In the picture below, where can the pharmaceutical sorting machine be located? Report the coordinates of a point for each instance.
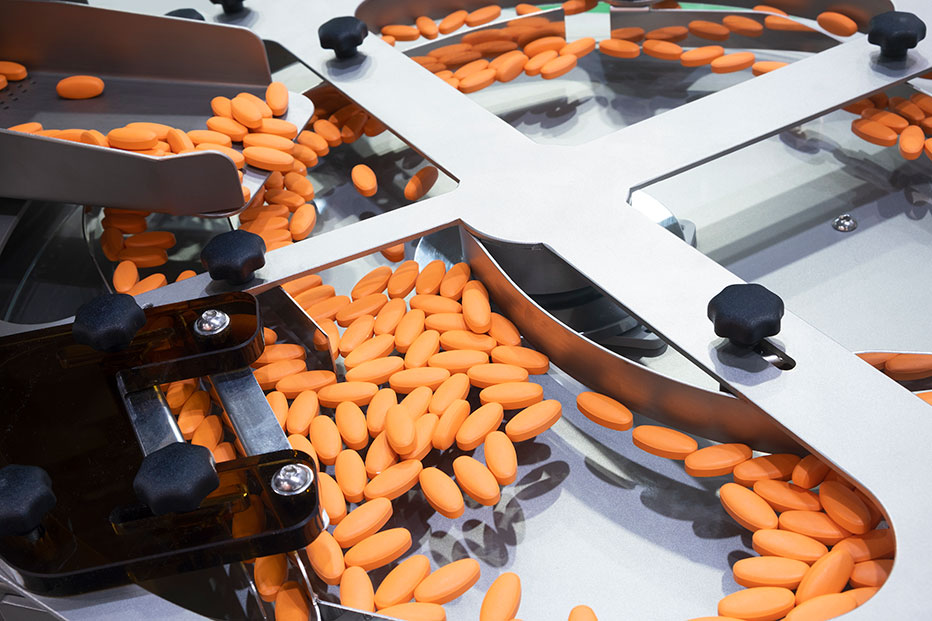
(603, 212)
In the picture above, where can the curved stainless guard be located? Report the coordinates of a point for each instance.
(713, 415)
(572, 199)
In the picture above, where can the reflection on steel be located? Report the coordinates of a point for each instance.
(250, 413)
(152, 419)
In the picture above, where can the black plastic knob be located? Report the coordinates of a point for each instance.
(896, 32)
(26, 497)
(230, 6)
(746, 314)
(176, 478)
(342, 35)
(108, 322)
(186, 13)
(234, 256)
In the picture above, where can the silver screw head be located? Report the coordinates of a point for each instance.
(292, 479)
(211, 323)
(845, 223)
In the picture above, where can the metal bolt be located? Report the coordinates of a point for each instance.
(292, 479)
(211, 323)
(845, 223)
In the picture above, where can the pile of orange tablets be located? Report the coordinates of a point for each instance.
(895, 121)
(414, 348)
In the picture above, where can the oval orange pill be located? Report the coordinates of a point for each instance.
(837, 24)
(455, 387)
(604, 410)
(561, 65)
(667, 33)
(364, 180)
(716, 460)
(912, 141)
(512, 395)
(79, 87)
(422, 349)
(741, 25)
(453, 282)
(444, 322)
(776, 466)
(535, 362)
(476, 310)
(664, 50)
(379, 549)
(246, 112)
(379, 455)
(268, 159)
(435, 304)
(874, 132)
(746, 507)
(270, 573)
(292, 385)
(350, 474)
(582, 613)
(464, 339)
(376, 347)
(394, 481)
(784, 496)
(423, 432)
(827, 575)
(453, 21)
(448, 582)
(708, 30)
(407, 380)
(356, 590)
(269, 375)
(326, 558)
(276, 96)
(759, 603)
(730, 63)
(774, 571)
(351, 423)
(460, 360)
(871, 573)
(12, 71)
(441, 493)
(325, 438)
(663, 442)
(290, 603)
(537, 62)
(766, 66)
(428, 280)
(373, 282)
(417, 401)
(398, 586)
(399, 429)
(302, 411)
(360, 393)
(619, 48)
(501, 458)
(331, 497)
(813, 524)
(476, 480)
(478, 425)
(131, 138)
(402, 281)
(376, 371)
(809, 472)
(401, 32)
(367, 305)
(533, 420)
(700, 56)
(415, 611)
(378, 409)
(453, 417)
(483, 15)
(362, 522)
(844, 507)
(773, 542)
(871, 545)
(125, 276)
(823, 607)
(503, 598)
(356, 334)
(389, 317)
(408, 329)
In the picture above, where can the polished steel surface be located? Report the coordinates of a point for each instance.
(661, 281)
(152, 419)
(250, 414)
(714, 415)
